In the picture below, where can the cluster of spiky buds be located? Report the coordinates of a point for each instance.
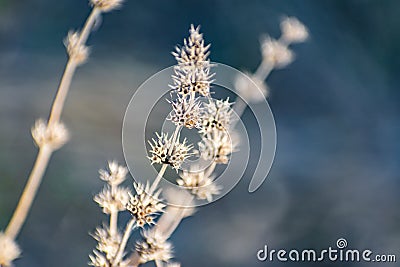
(192, 81)
(9, 250)
(112, 199)
(166, 150)
(54, 135)
(77, 51)
(217, 115)
(106, 5)
(107, 243)
(218, 148)
(154, 247)
(185, 113)
(194, 53)
(144, 207)
(199, 184)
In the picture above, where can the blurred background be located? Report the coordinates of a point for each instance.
(336, 170)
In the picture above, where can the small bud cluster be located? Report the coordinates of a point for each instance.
(154, 247)
(112, 199)
(53, 136)
(77, 51)
(144, 207)
(276, 54)
(9, 250)
(199, 184)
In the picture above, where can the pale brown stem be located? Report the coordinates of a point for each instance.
(127, 234)
(31, 187)
(158, 179)
(69, 71)
(45, 152)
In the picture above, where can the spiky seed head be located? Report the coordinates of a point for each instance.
(165, 150)
(185, 113)
(217, 115)
(107, 243)
(143, 207)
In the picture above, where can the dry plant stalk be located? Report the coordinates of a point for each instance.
(52, 134)
(212, 119)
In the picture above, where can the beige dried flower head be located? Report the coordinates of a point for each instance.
(185, 113)
(193, 53)
(115, 175)
(219, 148)
(9, 250)
(54, 136)
(154, 247)
(251, 88)
(276, 53)
(187, 81)
(165, 150)
(107, 243)
(217, 115)
(199, 184)
(106, 5)
(77, 51)
(293, 31)
(113, 199)
(144, 207)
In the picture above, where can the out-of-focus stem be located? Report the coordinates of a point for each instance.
(25, 202)
(128, 230)
(69, 71)
(45, 152)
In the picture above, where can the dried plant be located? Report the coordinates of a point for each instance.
(50, 135)
(212, 119)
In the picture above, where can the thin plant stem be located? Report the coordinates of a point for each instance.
(124, 241)
(113, 222)
(158, 179)
(159, 263)
(69, 71)
(45, 152)
(32, 185)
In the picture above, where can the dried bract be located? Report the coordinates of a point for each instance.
(199, 184)
(115, 175)
(113, 199)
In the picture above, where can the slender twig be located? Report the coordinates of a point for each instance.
(128, 230)
(28, 195)
(45, 152)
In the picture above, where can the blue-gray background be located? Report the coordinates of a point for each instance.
(336, 171)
